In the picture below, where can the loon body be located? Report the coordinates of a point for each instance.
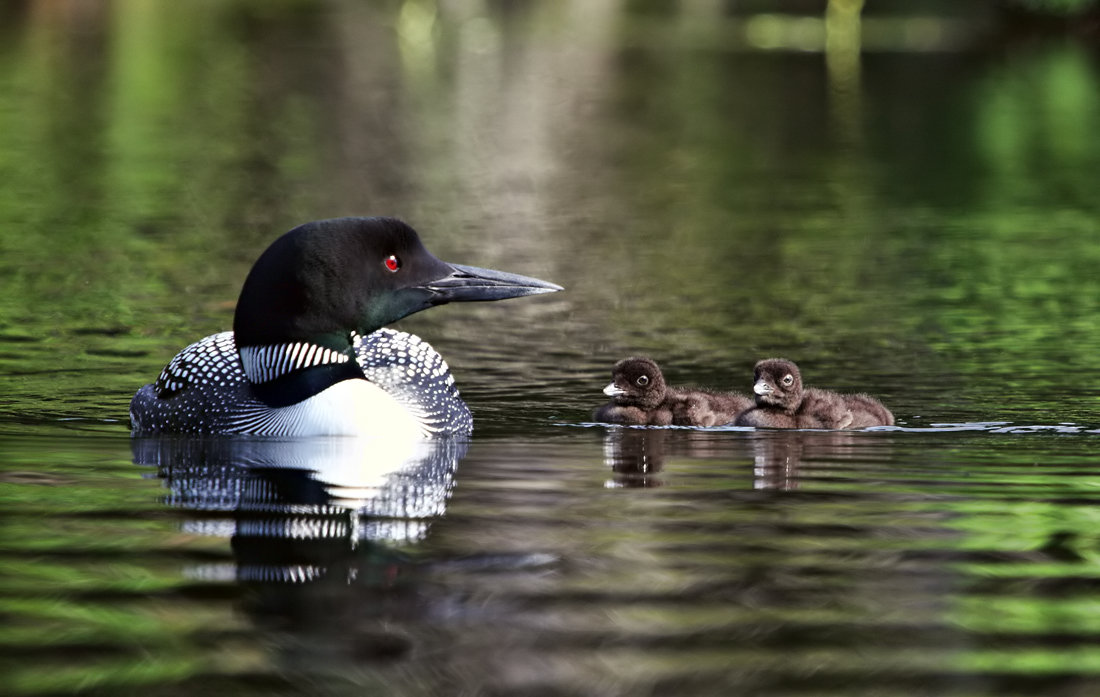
(308, 354)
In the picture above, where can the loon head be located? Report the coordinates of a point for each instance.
(637, 382)
(777, 383)
(326, 279)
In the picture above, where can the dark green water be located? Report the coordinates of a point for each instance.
(921, 224)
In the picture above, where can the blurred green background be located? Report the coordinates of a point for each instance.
(899, 195)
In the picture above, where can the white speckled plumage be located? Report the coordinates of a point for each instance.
(204, 390)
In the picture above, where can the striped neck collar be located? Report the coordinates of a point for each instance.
(266, 363)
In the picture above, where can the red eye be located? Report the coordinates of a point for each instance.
(393, 263)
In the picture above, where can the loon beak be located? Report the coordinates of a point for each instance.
(613, 390)
(761, 388)
(469, 283)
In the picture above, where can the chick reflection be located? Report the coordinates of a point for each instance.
(779, 456)
(776, 457)
(637, 455)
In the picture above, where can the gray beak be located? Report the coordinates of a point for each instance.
(470, 283)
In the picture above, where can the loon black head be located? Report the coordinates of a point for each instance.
(777, 383)
(637, 382)
(325, 279)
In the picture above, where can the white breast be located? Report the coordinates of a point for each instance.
(348, 408)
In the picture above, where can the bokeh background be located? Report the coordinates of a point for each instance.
(876, 190)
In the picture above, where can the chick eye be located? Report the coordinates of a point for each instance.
(788, 379)
(393, 263)
(642, 381)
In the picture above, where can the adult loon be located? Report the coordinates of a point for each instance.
(308, 354)
(782, 402)
(640, 397)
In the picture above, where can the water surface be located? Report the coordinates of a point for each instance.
(918, 224)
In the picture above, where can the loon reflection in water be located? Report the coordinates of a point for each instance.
(330, 490)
